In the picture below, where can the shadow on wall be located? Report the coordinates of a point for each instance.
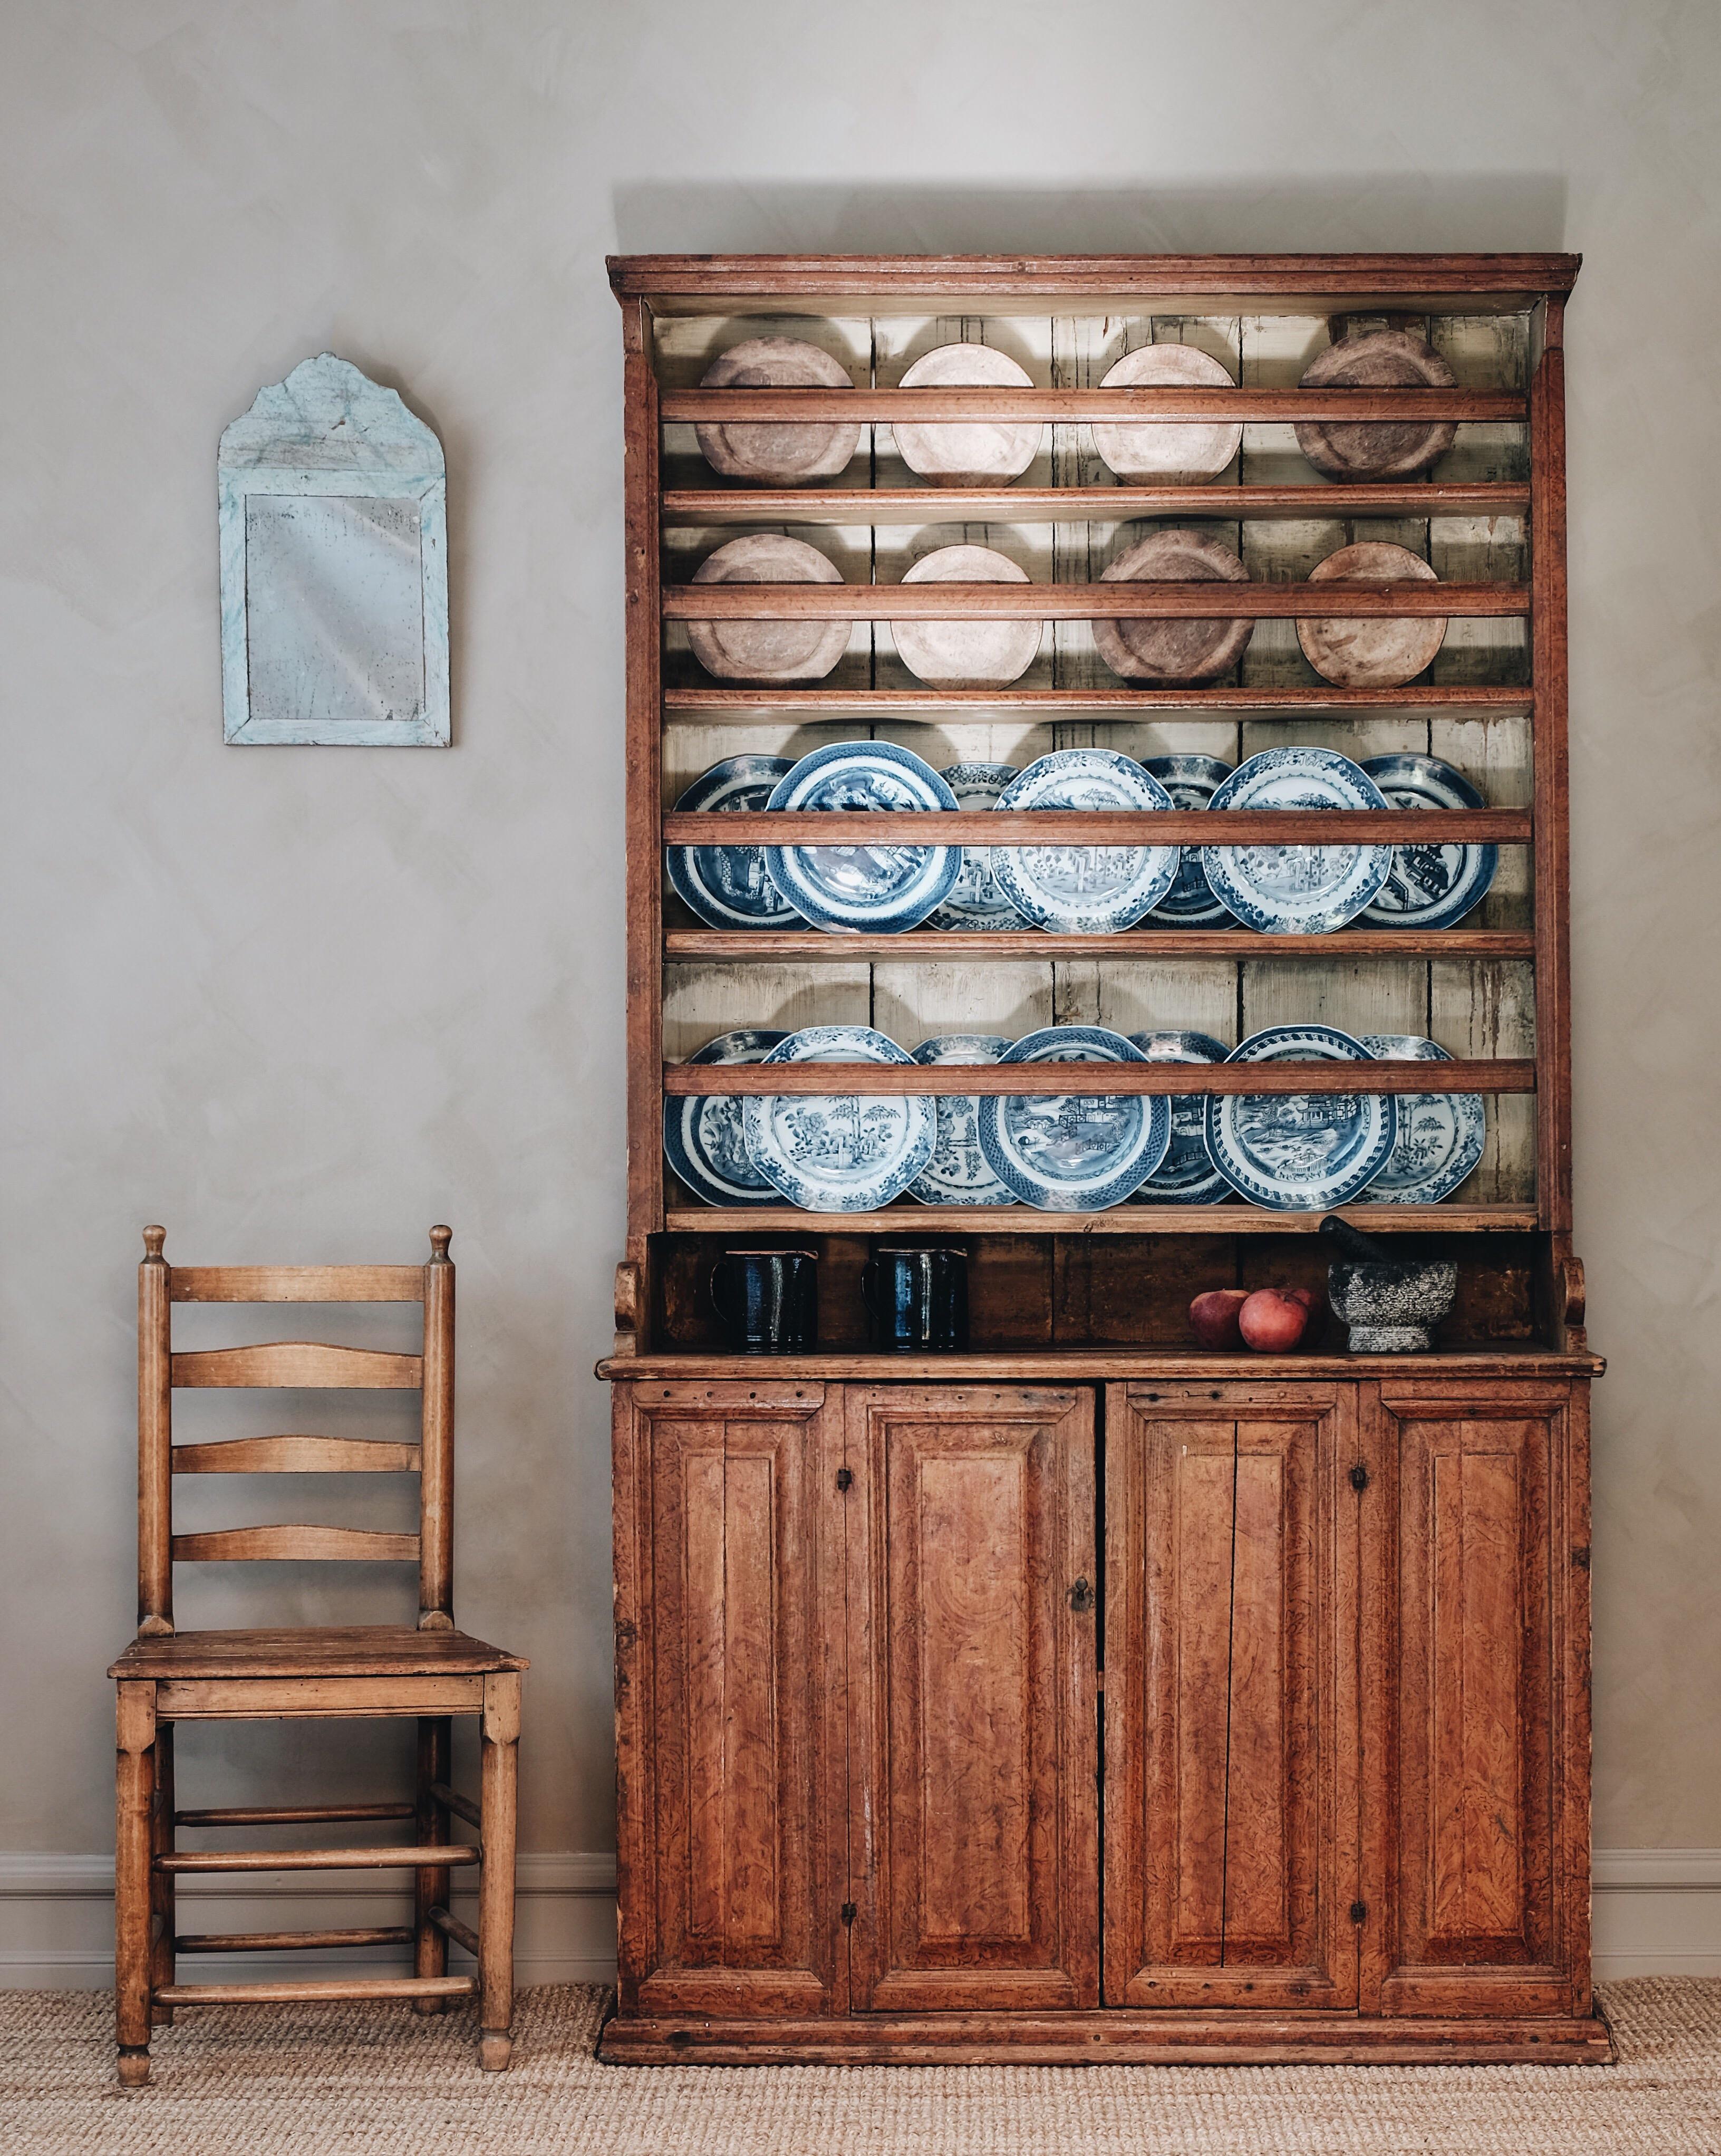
(1502, 213)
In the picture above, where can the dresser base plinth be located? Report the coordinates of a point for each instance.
(1104, 2038)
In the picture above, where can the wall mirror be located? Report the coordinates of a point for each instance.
(333, 567)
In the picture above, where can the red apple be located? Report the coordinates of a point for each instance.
(1273, 1323)
(1212, 1317)
(1313, 1300)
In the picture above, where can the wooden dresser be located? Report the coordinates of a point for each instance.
(1085, 1695)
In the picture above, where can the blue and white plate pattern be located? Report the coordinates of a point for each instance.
(1300, 1152)
(1441, 1136)
(1093, 890)
(879, 889)
(839, 1152)
(1186, 1176)
(1074, 1152)
(1297, 890)
(727, 886)
(976, 900)
(703, 1138)
(957, 1173)
(1191, 782)
(1429, 887)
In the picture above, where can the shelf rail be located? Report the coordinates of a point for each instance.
(1099, 827)
(1059, 1080)
(1126, 599)
(752, 407)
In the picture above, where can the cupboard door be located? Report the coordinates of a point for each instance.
(1231, 1731)
(974, 1834)
(1486, 1869)
(729, 1698)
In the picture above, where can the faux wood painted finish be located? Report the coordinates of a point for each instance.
(729, 1700)
(1231, 1731)
(972, 1714)
(1478, 1574)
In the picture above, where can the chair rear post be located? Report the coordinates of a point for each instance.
(155, 1439)
(436, 1482)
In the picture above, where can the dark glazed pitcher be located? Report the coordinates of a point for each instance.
(916, 1298)
(768, 1299)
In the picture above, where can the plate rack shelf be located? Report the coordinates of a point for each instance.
(1086, 1694)
(1493, 990)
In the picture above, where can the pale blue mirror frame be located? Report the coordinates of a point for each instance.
(333, 567)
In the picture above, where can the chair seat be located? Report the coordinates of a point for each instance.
(352, 1650)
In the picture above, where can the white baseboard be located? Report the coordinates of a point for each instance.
(1658, 1912)
(57, 1920)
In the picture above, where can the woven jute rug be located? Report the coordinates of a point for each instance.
(379, 2079)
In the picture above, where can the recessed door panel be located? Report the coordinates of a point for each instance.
(1478, 1872)
(1230, 1692)
(731, 1721)
(972, 1699)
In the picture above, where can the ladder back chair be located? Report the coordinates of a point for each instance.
(430, 1672)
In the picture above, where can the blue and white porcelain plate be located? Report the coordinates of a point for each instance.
(1297, 890)
(703, 1138)
(1191, 782)
(976, 900)
(1074, 1152)
(1429, 887)
(1186, 1176)
(839, 1152)
(727, 886)
(1441, 1136)
(1090, 891)
(957, 1173)
(880, 889)
(1300, 1152)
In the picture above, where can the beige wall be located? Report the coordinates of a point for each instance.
(301, 1003)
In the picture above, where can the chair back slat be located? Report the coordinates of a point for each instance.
(296, 1363)
(293, 1364)
(226, 1545)
(297, 1455)
(298, 1283)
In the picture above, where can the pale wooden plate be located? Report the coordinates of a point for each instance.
(968, 455)
(1158, 454)
(1372, 654)
(763, 652)
(1167, 653)
(1381, 359)
(967, 654)
(778, 453)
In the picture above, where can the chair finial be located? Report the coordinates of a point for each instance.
(153, 1239)
(440, 1239)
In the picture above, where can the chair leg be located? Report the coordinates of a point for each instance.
(430, 1889)
(133, 1839)
(499, 1745)
(161, 1883)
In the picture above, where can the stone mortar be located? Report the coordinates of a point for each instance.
(1391, 1309)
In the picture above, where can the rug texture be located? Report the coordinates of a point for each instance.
(250, 2081)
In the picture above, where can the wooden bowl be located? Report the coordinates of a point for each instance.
(777, 453)
(1377, 449)
(1156, 453)
(764, 652)
(1168, 653)
(970, 453)
(967, 655)
(1370, 654)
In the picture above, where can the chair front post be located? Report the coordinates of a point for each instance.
(499, 1746)
(436, 1474)
(135, 1790)
(154, 1440)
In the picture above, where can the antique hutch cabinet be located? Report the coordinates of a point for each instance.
(1086, 1694)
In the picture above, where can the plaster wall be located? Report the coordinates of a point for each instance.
(299, 1003)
